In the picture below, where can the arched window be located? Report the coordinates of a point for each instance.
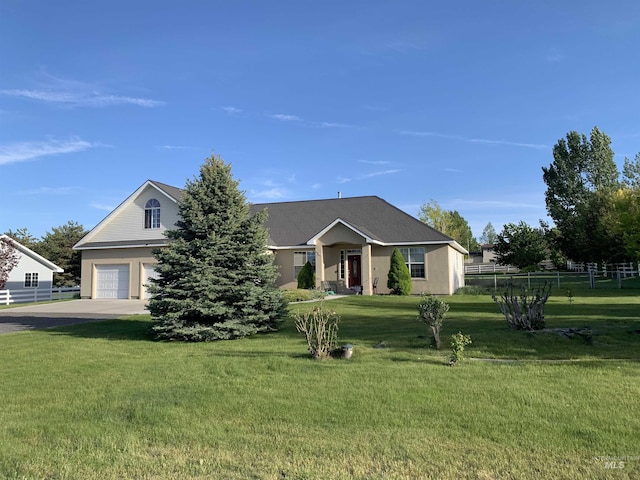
(152, 214)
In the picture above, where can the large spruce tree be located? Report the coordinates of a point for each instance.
(217, 278)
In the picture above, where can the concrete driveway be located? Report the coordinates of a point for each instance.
(56, 314)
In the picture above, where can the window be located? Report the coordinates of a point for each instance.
(300, 259)
(342, 262)
(414, 258)
(31, 280)
(152, 214)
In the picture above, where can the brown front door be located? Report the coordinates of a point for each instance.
(355, 270)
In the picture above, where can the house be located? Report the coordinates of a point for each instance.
(348, 240)
(486, 254)
(31, 279)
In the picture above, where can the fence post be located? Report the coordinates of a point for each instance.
(558, 272)
(619, 279)
(592, 279)
(529, 280)
(495, 282)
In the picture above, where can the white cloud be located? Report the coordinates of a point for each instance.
(334, 125)
(375, 162)
(343, 179)
(20, 152)
(376, 174)
(102, 206)
(473, 140)
(286, 118)
(453, 170)
(232, 110)
(486, 204)
(316, 186)
(82, 99)
(174, 147)
(269, 194)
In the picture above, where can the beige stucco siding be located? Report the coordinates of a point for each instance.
(135, 258)
(128, 225)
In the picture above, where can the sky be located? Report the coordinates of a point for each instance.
(413, 101)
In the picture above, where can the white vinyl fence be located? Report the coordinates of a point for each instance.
(7, 297)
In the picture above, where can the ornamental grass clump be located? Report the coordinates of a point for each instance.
(432, 310)
(320, 330)
(526, 310)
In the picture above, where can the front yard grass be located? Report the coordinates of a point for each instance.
(103, 401)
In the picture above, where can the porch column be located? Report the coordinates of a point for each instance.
(367, 277)
(319, 264)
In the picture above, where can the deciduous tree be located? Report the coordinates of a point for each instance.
(449, 222)
(217, 278)
(488, 234)
(9, 258)
(520, 245)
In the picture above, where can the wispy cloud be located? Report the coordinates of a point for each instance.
(102, 206)
(82, 99)
(232, 110)
(174, 147)
(334, 125)
(269, 194)
(316, 186)
(50, 191)
(484, 141)
(377, 174)
(286, 118)
(453, 170)
(343, 179)
(21, 152)
(375, 162)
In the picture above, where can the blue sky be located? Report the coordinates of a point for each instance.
(460, 102)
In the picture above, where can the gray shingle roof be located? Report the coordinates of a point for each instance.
(295, 223)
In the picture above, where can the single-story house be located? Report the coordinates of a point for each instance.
(31, 279)
(348, 240)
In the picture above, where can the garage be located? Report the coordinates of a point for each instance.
(112, 281)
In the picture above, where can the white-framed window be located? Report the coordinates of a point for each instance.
(31, 280)
(414, 258)
(300, 259)
(152, 214)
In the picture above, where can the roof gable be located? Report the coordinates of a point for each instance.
(107, 229)
(31, 254)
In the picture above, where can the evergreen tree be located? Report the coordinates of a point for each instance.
(57, 246)
(399, 278)
(217, 278)
(307, 277)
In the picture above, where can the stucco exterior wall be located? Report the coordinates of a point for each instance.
(136, 258)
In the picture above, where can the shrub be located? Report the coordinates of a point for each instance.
(320, 330)
(471, 290)
(307, 277)
(432, 310)
(524, 311)
(399, 277)
(298, 295)
(458, 342)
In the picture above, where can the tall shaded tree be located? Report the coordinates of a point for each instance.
(449, 222)
(488, 234)
(217, 278)
(57, 246)
(520, 245)
(579, 180)
(9, 258)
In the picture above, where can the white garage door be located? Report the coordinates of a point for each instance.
(113, 281)
(149, 272)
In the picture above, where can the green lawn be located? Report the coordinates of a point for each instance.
(102, 401)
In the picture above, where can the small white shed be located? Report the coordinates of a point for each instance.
(31, 280)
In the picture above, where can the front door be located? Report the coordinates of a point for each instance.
(355, 270)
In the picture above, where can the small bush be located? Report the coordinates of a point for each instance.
(320, 330)
(458, 342)
(471, 290)
(399, 277)
(307, 277)
(297, 295)
(526, 310)
(432, 310)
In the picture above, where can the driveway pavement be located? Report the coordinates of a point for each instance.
(56, 314)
